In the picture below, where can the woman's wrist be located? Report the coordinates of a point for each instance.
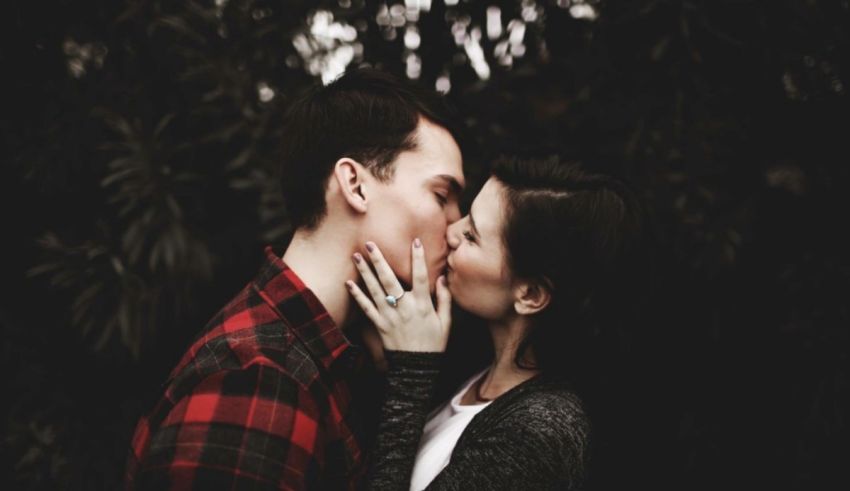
(421, 360)
(412, 375)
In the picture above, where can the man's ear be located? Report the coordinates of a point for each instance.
(349, 176)
(532, 296)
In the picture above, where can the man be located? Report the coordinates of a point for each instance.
(262, 399)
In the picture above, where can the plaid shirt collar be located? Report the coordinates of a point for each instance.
(281, 288)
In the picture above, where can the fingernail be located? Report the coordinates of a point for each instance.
(416, 243)
(370, 246)
(357, 257)
(349, 284)
(442, 280)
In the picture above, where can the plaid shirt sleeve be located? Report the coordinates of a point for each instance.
(254, 428)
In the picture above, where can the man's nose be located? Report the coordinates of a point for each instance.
(451, 236)
(453, 214)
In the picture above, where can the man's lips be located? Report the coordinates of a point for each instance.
(447, 266)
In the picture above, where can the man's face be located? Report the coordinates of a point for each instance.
(420, 201)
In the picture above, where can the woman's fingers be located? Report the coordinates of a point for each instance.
(419, 270)
(369, 278)
(415, 325)
(385, 273)
(368, 307)
(444, 302)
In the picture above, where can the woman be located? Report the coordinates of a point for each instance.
(543, 251)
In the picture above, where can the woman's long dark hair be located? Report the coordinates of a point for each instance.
(582, 236)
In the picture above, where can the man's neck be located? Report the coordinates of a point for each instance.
(324, 263)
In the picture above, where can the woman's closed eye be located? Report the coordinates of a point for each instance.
(441, 199)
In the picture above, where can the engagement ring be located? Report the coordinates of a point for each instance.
(393, 300)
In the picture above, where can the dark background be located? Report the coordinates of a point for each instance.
(138, 147)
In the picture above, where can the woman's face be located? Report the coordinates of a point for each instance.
(478, 275)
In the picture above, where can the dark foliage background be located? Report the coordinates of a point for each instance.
(138, 144)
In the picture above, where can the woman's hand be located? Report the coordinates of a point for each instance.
(413, 324)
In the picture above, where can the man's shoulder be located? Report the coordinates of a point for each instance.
(244, 334)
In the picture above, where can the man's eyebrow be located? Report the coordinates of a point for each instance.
(456, 187)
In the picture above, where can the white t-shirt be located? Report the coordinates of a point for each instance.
(444, 427)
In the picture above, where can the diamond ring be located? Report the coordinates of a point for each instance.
(393, 300)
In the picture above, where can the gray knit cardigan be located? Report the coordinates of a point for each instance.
(535, 436)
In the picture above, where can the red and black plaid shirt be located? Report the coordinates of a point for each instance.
(260, 400)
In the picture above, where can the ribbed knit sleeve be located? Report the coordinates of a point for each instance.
(411, 379)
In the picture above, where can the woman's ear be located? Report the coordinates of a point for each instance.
(532, 296)
(349, 177)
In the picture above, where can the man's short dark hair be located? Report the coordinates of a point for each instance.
(367, 115)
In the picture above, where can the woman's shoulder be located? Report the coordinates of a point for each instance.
(543, 407)
(549, 402)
